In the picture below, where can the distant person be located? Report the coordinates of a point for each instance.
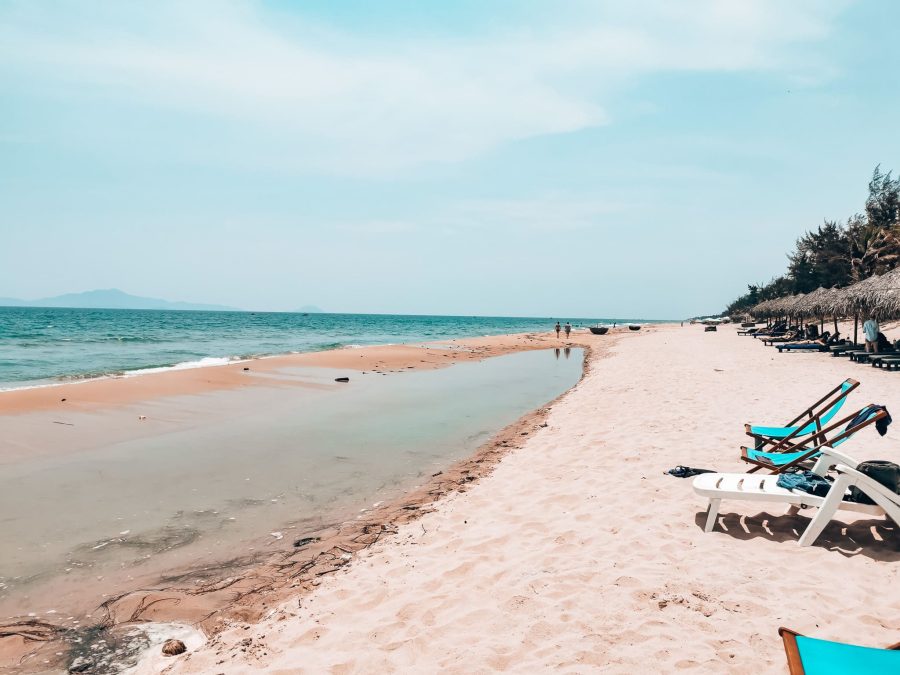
(568, 328)
(557, 329)
(870, 331)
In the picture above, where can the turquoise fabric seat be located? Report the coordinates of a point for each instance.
(823, 657)
(777, 458)
(782, 432)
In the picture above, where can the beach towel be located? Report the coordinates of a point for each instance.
(804, 481)
(868, 412)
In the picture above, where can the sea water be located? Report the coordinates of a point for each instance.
(48, 345)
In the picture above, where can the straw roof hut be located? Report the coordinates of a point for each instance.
(783, 306)
(877, 296)
(807, 306)
(820, 303)
(881, 298)
(761, 310)
(789, 305)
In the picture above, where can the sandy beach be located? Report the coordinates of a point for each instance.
(560, 545)
(578, 554)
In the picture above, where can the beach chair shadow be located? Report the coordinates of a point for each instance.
(874, 538)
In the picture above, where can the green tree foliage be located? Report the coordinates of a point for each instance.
(756, 293)
(821, 258)
(836, 255)
(883, 203)
(873, 249)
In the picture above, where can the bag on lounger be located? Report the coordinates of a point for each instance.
(886, 473)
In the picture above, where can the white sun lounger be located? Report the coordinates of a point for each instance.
(748, 487)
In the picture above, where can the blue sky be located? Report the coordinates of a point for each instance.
(643, 159)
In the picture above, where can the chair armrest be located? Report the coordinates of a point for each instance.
(836, 457)
(830, 457)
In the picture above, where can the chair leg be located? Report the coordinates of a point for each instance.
(711, 514)
(826, 511)
(792, 510)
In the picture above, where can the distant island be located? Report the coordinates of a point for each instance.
(112, 298)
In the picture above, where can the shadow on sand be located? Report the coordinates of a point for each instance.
(875, 538)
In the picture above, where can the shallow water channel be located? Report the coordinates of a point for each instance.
(88, 497)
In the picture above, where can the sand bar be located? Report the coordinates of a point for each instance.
(112, 391)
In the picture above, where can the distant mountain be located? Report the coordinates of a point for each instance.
(311, 309)
(111, 298)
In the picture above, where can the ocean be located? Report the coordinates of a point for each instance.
(40, 346)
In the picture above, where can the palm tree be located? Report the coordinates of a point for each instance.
(873, 248)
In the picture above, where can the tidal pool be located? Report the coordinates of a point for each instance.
(87, 497)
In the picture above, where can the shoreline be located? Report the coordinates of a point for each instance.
(108, 391)
(211, 604)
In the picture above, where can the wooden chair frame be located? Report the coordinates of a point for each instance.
(813, 414)
(792, 651)
(822, 441)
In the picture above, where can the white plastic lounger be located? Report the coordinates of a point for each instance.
(747, 487)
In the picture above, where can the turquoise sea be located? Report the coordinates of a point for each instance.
(49, 345)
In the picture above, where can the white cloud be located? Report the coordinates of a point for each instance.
(352, 103)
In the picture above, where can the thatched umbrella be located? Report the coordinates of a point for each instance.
(874, 297)
(820, 303)
(790, 305)
(880, 298)
(807, 306)
(853, 297)
(762, 310)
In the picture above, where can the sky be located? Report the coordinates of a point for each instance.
(646, 159)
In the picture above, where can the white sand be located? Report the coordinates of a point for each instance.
(577, 554)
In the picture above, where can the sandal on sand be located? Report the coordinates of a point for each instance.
(686, 471)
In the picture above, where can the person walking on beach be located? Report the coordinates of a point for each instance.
(568, 329)
(870, 330)
(557, 329)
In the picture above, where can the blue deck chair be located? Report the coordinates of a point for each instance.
(811, 656)
(778, 462)
(795, 434)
